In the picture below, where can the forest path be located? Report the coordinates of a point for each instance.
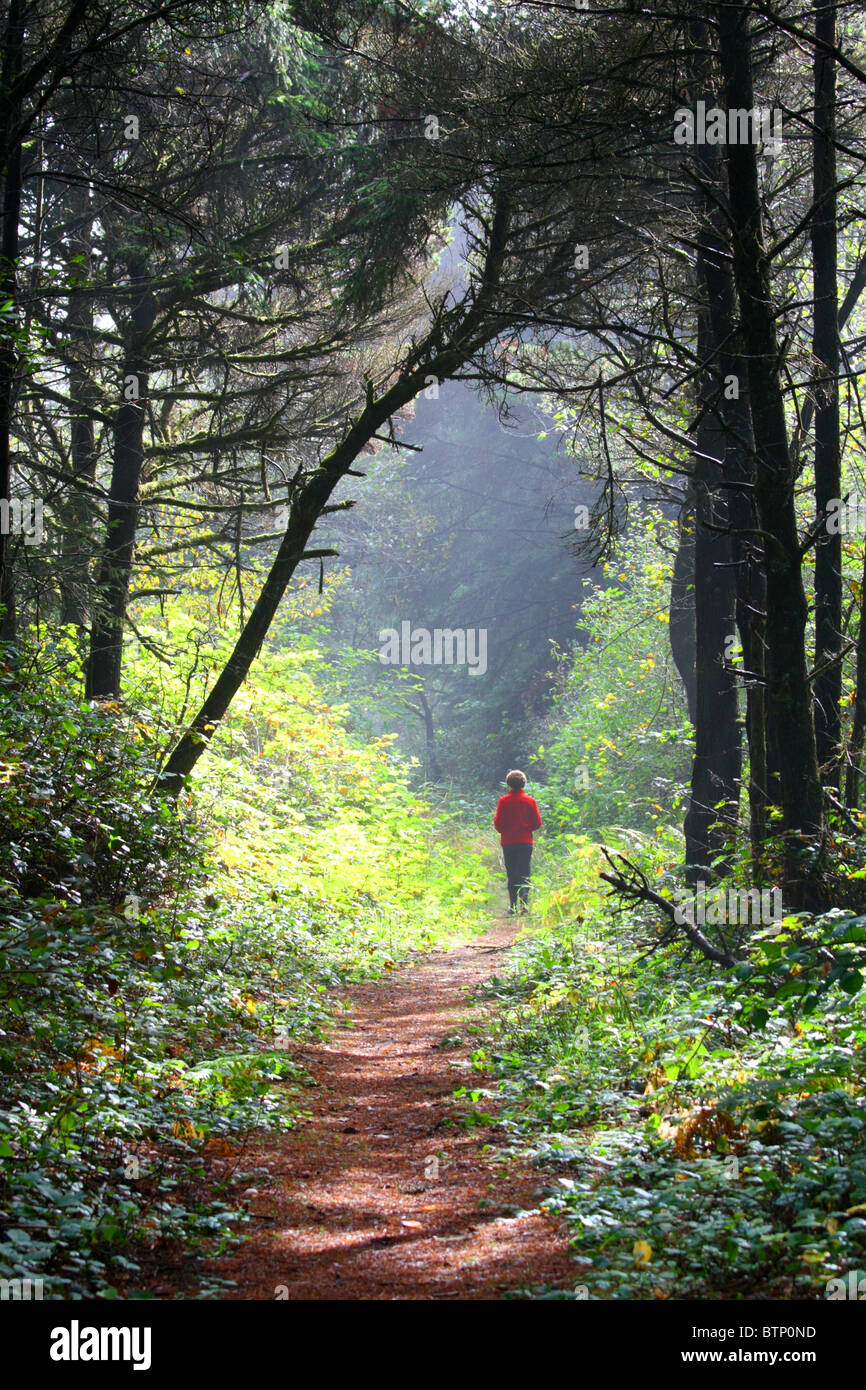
(374, 1196)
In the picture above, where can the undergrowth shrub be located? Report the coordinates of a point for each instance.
(705, 1131)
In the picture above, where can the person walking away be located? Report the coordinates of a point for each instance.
(516, 817)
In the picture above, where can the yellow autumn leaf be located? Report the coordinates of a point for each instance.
(642, 1251)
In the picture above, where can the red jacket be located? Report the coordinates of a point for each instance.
(516, 818)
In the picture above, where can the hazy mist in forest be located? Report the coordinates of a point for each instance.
(479, 532)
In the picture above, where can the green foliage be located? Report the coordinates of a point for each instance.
(701, 1149)
(75, 825)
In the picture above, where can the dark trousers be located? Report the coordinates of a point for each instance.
(518, 859)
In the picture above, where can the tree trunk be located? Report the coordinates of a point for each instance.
(789, 696)
(715, 783)
(858, 727)
(75, 512)
(13, 51)
(825, 345)
(751, 622)
(746, 551)
(115, 569)
(711, 819)
(434, 770)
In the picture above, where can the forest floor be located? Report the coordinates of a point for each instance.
(383, 1191)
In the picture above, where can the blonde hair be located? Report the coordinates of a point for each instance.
(516, 780)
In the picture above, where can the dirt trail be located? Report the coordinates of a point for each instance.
(358, 1208)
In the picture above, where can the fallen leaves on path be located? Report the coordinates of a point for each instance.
(375, 1195)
